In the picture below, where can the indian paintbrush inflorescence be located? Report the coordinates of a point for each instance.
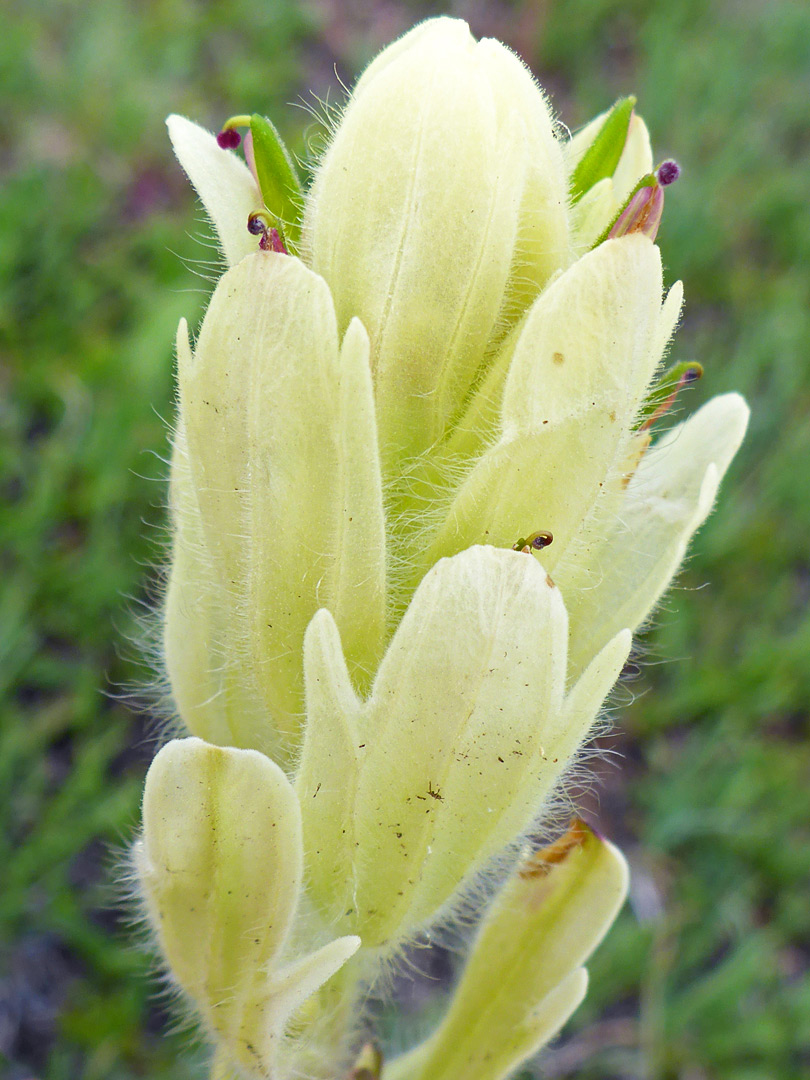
(419, 510)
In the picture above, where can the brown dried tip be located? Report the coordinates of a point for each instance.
(368, 1065)
(539, 863)
(273, 242)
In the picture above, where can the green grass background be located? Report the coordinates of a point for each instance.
(705, 975)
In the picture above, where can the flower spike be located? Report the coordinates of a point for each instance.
(458, 329)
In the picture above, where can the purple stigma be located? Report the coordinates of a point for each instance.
(229, 139)
(542, 540)
(668, 172)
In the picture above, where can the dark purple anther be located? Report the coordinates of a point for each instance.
(229, 138)
(668, 172)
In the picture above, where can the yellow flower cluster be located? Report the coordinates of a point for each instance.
(451, 341)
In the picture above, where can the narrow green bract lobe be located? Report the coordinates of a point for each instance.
(604, 153)
(663, 394)
(277, 176)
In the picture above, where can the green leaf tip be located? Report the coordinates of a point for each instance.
(369, 1063)
(662, 396)
(602, 156)
(276, 174)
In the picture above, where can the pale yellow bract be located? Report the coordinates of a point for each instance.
(382, 695)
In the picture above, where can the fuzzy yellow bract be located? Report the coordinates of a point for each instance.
(384, 686)
(459, 218)
(550, 915)
(403, 793)
(220, 863)
(285, 509)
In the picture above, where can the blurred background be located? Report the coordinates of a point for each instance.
(706, 974)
